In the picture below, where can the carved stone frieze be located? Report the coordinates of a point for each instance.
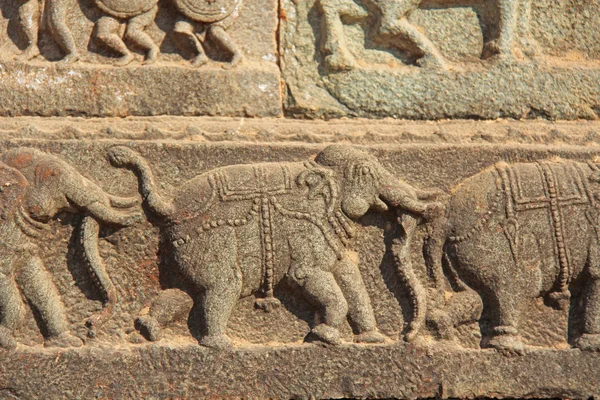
(411, 259)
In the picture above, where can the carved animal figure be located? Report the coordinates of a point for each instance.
(234, 231)
(34, 188)
(213, 18)
(518, 231)
(30, 17)
(393, 26)
(138, 15)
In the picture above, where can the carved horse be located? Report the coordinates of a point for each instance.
(393, 25)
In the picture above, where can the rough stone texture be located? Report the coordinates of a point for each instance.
(269, 357)
(551, 72)
(95, 80)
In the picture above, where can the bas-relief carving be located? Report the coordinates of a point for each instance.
(37, 187)
(199, 21)
(510, 233)
(393, 28)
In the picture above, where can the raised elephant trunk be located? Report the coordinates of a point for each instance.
(90, 229)
(124, 157)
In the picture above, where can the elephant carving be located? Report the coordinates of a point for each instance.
(34, 188)
(523, 230)
(393, 27)
(237, 231)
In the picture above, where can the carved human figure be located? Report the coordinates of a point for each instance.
(518, 231)
(34, 188)
(202, 20)
(238, 230)
(137, 15)
(30, 15)
(393, 26)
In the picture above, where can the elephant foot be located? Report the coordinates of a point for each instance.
(124, 60)
(200, 60)
(219, 342)
(267, 304)
(7, 341)
(371, 337)
(70, 58)
(64, 339)
(326, 334)
(30, 53)
(589, 342)
(508, 342)
(149, 328)
(151, 56)
(442, 324)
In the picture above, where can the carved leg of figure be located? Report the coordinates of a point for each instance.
(333, 44)
(504, 336)
(220, 36)
(11, 311)
(590, 340)
(527, 42)
(106, 32)
(419, 45)
(169, 306)
(186, 32)
(504, 44)
(135, 33)
(41, 292)
(360, 311)
(57, 17)
(29, 17)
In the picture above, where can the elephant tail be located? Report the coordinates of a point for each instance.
(124, 157)
(401, 247)
(90, 230)
(434, 255)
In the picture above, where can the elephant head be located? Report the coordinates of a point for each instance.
(54, 187)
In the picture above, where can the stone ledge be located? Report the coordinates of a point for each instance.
(250, 90)
(396, 371)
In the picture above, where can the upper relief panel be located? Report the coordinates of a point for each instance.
(433, 59)
(139, 57)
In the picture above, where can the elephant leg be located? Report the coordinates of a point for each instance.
(169, 306)
(216, 304)
(528, 43)
(333, 43)
(11, 311)
(590, 340)
(42, 294)
(57, 18)
(29, 18)
(220, 36)
(360, 311)
(136, 33)
(322, 290)
(106, 32)
(185, 32)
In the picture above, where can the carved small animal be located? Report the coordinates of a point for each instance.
(213, 18)
(393, 26)
(56, 15)
(238, 230)
(518, 231)
(137, 15)
(34, 188)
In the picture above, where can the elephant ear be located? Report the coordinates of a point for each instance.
(13, 188)
(320, 183)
